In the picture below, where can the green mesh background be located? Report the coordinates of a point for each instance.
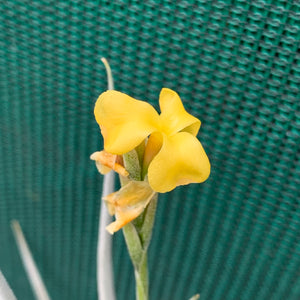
(236, 66)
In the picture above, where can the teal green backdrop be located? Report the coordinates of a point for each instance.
(236, 66)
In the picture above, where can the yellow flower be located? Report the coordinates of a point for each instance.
(173, 155)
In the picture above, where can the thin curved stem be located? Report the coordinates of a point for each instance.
(30, 266)
(6, 292)
(110, 81)
(104, 254)
(105, 278)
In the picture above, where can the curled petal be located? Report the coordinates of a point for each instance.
(124, 121)
(181, 160)
(128, 203)
(106, 162)
(173, 115)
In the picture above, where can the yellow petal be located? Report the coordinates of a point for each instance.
(106, 161)
(128, 203)
(102, 169)
(153, 146)
(181, 160)
(121, 220)
(124, 121)
(173, 115)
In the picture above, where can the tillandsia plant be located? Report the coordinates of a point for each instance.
(152, 153)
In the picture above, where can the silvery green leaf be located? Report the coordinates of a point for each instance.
(132, 164)
(147, 227)
(133, 243)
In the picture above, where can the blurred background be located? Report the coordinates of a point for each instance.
(236, 66)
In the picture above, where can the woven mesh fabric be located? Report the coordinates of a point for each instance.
(236, 66)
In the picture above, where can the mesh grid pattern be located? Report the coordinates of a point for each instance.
(236, 66)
